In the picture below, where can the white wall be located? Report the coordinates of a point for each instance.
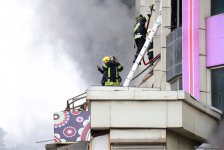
(205, 80)
(100, 143)
(178, 142)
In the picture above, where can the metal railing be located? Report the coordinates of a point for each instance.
(77, 103)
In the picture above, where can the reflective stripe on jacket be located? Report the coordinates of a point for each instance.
(112, 74)
(139, 29)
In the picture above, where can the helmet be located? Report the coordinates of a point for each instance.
(138, 17)
(106, 59)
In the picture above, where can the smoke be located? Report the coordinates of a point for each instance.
(21, 147)
(2, 134)
(48, 53)
(218, 136)
(90, 30)
(18, 147)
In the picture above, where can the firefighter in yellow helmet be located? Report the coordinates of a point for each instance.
(110, 70)
(140, 31)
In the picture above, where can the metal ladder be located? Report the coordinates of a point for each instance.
(147, 43)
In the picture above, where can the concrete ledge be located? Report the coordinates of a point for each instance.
(135, 94)
(138, 136)
(67, 146)
(120, 88)
(202, 107)
(138, 108)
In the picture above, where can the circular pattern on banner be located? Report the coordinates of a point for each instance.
(79, 119)
(56, 116)
(60, 119)
(69, 131)
(75, 113)
(85, 136)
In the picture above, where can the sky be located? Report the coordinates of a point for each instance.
(48, 53)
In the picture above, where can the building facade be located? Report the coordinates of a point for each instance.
(181, 105)
(162, 113)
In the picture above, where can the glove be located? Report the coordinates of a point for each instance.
(115, 60)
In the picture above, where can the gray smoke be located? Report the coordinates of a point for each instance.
(21, 147)
(90, 30)
(86, 30)
(28, 146)
(18, 147)
(2, 135)
(217, 138)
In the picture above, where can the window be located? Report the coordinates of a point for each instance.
(177, 84)
(217, 88)
(176, 14)
(174, 54)
(217, 7)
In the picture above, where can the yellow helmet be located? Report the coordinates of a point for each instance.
(106, 59)
(138, 17)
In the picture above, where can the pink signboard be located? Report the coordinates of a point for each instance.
(215, 40)
(190, 42)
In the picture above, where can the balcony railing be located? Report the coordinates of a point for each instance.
(77, 103)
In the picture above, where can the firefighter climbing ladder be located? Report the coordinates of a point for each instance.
(148, 41)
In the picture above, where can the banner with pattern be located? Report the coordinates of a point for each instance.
(72, 126)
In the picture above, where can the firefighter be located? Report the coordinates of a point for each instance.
(110, 70)
(103, 70)
(140, 31)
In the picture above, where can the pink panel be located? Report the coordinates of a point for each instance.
(190, 42)
(215, 40)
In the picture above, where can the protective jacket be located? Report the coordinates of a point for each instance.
(110, 73)
(140, 33)
(140, 29)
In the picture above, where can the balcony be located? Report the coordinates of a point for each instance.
(145, 108)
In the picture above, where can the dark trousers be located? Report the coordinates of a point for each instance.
(150, 55)
(139, 43)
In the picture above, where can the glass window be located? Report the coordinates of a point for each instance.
(176, 84)
(217, 87)
(176, 14)
(174, 54)
(217, 7)
(180, 83)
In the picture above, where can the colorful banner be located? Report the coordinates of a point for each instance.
(190, 42)
(72, 126)
(215, 40)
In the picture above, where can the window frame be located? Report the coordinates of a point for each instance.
(213, 100)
